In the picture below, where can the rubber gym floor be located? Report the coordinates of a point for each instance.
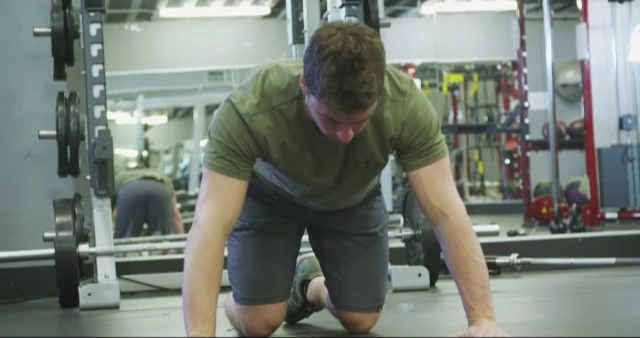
(577, 302)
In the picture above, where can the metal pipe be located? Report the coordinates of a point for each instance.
(85, 251)
(515, 261)
(551, 103)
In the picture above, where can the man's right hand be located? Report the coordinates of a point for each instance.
(219, 204)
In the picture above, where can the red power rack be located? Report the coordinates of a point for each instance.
(525, 144)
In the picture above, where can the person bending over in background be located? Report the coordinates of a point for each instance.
(291, 150)
(145, 196)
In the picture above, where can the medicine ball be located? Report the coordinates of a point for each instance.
(575, 129)
(569, 81)
(561, 130)
(543, 188)
(577, 191)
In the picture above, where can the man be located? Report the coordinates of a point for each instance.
(290, 151)
(145, 195)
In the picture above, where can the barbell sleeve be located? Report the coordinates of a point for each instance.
(41, 31)
(47, 134)
(26, 255)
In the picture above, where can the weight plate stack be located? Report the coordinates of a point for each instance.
(74, 132)
(62, 137)
(67, 261)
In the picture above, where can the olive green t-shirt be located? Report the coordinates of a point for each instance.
(126, 176)
(263, 129)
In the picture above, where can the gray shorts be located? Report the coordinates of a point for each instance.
(352, 246)
(143, 201)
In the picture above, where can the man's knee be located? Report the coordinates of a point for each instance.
(260, 320)
(358, 323)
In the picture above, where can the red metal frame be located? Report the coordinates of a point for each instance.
(591, 211)
(525, 147)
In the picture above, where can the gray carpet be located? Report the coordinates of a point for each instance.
(587, 302)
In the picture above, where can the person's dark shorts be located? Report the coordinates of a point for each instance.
(352, 246)
(143, 201)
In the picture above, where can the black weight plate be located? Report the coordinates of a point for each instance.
(74, 133)
(372, 17)
(78, 210)
(431, 252)
(59, 70)
(72, 32)
(429, 248)
(67, 262)
(61, 134)
(58, 32)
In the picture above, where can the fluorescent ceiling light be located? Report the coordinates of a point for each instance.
(214, 11)
(432, 7)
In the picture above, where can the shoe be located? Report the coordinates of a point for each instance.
(299, 308)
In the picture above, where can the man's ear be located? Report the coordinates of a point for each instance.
(303, 84)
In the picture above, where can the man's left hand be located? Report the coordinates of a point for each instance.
(483, 329)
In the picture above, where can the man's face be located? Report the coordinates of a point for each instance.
(333, 123)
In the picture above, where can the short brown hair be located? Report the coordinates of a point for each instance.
(344, 66)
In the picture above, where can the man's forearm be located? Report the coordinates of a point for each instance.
(204, 259)
(466, 264)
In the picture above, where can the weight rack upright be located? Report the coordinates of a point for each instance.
(85, 153)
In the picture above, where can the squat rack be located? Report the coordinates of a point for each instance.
(591, 211)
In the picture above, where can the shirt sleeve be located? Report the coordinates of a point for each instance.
(231, 149)
(420, 141)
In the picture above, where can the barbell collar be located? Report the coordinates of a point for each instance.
(41, 32)
(47, 134)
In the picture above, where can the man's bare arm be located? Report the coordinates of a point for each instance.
(218, 207)
(438, 197)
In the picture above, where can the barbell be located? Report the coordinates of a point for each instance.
(70, 247)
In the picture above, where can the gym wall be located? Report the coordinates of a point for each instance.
(443, 39)
(27, 93)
